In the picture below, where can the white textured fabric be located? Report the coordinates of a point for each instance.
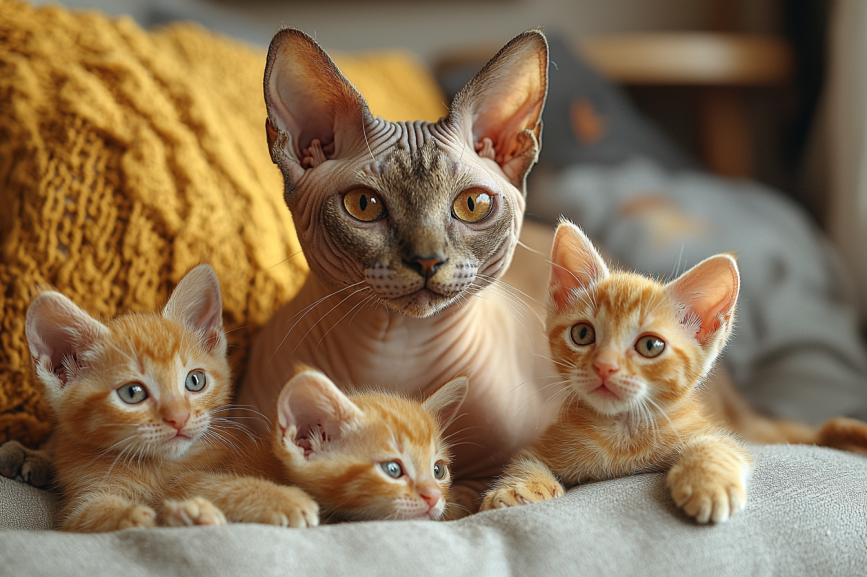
(806, 515)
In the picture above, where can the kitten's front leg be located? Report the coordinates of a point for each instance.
(708, 480)
(249, 499)
(106, 512)
(525, 480)
(25, 465)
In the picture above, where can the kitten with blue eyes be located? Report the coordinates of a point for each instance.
(366, 455)
(140, 405)
(632, 353)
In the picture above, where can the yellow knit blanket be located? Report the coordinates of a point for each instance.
(128, 157)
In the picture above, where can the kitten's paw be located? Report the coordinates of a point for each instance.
(195, 511)
(24, 465)
(138, 516)
(707, 495)
(513, 492)
(288, 507)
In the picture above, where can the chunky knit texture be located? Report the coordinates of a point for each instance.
(127, 157)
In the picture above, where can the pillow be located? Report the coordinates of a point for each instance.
(127, 157)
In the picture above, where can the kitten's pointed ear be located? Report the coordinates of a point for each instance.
(309, 99)
(445, 402)
(310, 400)
(58, 332)
(499, 112)
(709, 293)
(197, 304)
(575, 264)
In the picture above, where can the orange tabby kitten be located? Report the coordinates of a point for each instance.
(366, 455)
(632, 353)
(137, 403)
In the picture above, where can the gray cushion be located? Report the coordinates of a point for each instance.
(25, 507)
(806, 515)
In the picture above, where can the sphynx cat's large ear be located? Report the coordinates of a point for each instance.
(445, 402)
(708, 292)
(575, 264)
(314, 112)
(311, 410)
(58, 333)
(196, 303)
(499, 112)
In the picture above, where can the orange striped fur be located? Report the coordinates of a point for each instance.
(340, 448)
(628, 412)
(140, 404)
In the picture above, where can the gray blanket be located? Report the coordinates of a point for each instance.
(806, 515)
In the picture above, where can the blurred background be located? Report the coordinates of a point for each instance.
(768, 120)
(674, 129)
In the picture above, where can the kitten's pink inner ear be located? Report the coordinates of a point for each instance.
(446, 401)
(575, 264)
(309, 98)
(500, 109)
(310, 400)
(709, 292)
(196, 302)
(56, 329)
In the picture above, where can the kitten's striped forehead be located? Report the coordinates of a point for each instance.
(623, 298)
(407, 423)
(626, 301)
(151, 337)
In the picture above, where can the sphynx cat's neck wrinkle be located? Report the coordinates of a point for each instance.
(359, 342)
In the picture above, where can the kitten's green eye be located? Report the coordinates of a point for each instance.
(392, 469)
(440, 470)
(473, 205)
(650, 346)
(132, 393)
(364, 204)
(196, 381)
(583, 334)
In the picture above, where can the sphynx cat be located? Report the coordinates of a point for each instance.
(403, 224)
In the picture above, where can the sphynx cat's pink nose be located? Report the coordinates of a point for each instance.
(426, 266)
(431, 496)
(605, 368)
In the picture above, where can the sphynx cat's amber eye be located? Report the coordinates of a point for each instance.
(473, 205)
(364, 204)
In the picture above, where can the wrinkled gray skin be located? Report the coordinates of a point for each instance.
(401, 312)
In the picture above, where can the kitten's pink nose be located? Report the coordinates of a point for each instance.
(431, 496)
(176, 418)
(605, 368)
